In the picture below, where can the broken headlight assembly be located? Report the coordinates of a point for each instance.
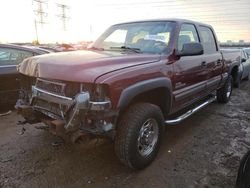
(99, 96)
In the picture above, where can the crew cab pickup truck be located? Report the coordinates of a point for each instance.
(134, 79)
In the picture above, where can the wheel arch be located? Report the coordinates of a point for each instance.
(148, 91)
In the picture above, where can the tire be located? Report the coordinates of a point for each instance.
(243, 180)
(131, 137)
(224, 93)
(236, 80)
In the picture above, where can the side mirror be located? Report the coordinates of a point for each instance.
(243, 60)
(191, 49)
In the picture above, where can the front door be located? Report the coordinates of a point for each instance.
(190, 72)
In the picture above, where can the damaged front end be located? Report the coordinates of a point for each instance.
(67, 107)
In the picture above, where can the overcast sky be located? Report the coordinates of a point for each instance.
(88, 19)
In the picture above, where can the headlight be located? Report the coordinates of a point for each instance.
(98, 92)
(101, 92)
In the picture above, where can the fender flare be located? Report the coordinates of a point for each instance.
(134, 90)
(232, 66)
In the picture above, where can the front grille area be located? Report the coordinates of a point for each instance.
(71, 89)
(51, 86)
(53, 110)
(68, 89)
(50, 108)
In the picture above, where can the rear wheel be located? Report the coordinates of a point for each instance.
(224, 93)
(139, 134)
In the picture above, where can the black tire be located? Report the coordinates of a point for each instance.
(225, 92)
(243, 177)
(129, 131)
(237, 80)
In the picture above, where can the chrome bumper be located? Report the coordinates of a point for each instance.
(77, 107)
(82, 100)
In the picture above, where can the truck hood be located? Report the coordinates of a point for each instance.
(82, 66)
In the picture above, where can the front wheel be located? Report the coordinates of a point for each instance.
(224, 93)
(139, 134)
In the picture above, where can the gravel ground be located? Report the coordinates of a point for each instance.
(203, 151)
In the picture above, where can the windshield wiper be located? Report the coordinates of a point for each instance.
(136, 50)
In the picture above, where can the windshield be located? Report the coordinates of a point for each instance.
(139, 37)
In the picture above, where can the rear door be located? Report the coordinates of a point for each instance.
(212, 58)
(190, 73)
(9, 84)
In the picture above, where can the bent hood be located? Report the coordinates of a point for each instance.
(81, 66)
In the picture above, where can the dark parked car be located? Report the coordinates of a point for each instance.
(10, 56)
(135, 78)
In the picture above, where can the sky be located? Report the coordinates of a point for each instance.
(87, 19)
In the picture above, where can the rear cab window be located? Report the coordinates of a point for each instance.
(208, 40)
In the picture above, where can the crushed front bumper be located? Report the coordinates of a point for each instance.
(73, 113)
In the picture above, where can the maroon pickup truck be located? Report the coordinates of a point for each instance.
(134, 79)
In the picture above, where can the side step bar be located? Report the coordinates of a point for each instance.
(190, 112)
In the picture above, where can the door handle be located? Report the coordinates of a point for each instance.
(218, 62)
(203, 63)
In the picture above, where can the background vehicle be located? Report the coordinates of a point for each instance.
(243, 178)
(245, 62)
(240, 69)
(135, 78)
(247, 51)
(10, 57)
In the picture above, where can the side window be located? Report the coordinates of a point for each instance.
(208, 39)
(116, 39)
(188, 34)
(4, 56)
(10, 56)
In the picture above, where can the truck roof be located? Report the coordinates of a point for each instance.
(178, 20)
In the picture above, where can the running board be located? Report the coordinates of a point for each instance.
(190, 112)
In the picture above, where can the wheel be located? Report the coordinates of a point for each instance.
(224, 93)
(139, 135)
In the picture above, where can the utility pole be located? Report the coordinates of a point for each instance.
(40, 14)
(63, 9)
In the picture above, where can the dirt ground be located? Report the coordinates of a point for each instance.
(203, 151)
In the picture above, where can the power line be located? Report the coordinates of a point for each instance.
(63, 14)
(171, 2)
(39, 11)
(40, 15)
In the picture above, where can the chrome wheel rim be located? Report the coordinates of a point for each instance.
(148, 137)
(229, 90)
